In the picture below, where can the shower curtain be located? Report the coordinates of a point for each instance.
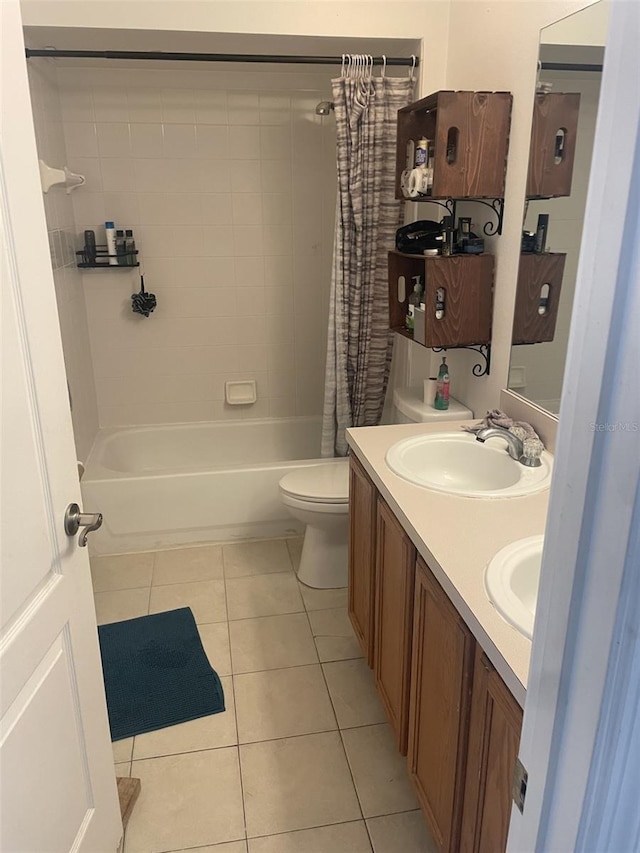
(359, 342)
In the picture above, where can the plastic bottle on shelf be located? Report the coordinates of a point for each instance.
(442, 387)
(110, 232)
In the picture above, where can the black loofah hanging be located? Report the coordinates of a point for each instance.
(143, 302)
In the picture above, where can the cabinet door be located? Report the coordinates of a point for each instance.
(494, 737)
(395, 573)
(442, 671)
(362, 529)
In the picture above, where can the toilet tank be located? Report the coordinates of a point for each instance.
(409, 407)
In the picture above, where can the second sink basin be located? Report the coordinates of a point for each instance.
(511, 580)
(454, 462)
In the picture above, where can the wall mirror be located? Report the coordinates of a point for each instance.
(566, 104)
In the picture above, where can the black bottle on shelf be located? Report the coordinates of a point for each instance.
(90, 247)
(129, 247)
(120, 248)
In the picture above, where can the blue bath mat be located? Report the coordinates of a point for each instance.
(156, 673)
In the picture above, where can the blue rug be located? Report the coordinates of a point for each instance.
(156, 673)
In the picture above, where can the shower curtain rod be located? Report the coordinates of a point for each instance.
(53, 53)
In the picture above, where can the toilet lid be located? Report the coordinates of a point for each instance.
(327, 483)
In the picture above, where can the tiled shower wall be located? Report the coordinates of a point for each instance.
(227, 177)
(47, 117)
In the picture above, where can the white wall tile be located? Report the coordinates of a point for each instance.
(217, 208)
(275, 143)
(178, 105)
(213, 141)
(243, 108)
(211, 107)
(247, 209)
(179, 140)
(80, 139)
(145, 103)
(245, 175)
(146, 140)
(211, 168)
(113, 139)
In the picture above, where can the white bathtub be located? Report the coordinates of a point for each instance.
(158, 486)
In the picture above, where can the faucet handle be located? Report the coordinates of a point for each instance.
(531, 452)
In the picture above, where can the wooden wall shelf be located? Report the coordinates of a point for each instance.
(529, 325)
(470, 136)
(551, 161)
(467, 281)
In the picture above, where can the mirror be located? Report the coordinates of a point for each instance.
(569, 73)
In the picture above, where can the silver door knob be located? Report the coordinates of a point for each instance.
(74, 520)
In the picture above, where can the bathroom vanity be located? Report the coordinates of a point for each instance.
(450, 672)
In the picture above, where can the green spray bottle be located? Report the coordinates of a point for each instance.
(442, 387)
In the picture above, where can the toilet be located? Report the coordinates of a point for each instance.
(318, 496)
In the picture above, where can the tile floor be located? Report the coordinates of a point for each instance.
(302, 760)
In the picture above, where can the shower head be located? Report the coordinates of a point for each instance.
(324, 108)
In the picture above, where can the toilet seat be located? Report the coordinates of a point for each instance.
(318, 484)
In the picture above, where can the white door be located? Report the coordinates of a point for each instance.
(58, 790)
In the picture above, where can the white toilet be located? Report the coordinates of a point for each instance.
(318, 496)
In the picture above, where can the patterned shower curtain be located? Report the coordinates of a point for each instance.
(367, 215)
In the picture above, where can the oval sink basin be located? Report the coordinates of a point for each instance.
(457, 464)
(511, 582)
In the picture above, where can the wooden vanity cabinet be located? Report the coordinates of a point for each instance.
(494, 738)
(395, 573)
(363, 497)
(440, 704)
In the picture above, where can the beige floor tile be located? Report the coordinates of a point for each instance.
(340, 838)
(295, 550)
(263, 595)
(324, 599)
(205, 598)
(186, 801)
(123, 769)
(297, 783)
(282, 703)
(212, 732)
(353, 693)
(379, 771)
(242, 559)
(121, 571)
(229, 847)
(121, 604)
(271, 642)
(122, 750)
(407, 832)
(185, 565)
(334, 635)
(215, 641)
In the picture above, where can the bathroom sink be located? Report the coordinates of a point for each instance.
(511, 582)
(454, 462)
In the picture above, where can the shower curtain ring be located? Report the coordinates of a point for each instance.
(413, 67)
(384, 67)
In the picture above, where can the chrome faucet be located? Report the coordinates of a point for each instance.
(515, 446)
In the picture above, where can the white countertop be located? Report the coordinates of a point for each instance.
(457, 537)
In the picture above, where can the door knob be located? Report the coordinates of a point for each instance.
(74, 520)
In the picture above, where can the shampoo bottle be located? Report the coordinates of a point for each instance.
(442, 387)
(110, 233)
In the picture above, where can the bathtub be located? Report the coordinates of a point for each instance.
(159, 486)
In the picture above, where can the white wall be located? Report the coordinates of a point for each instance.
(228, 181)
(67, 279)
